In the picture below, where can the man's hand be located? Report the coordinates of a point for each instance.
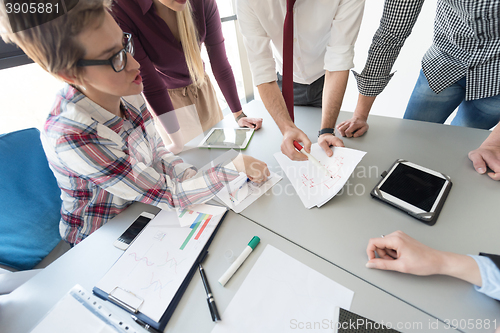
(254, 123)
(487, 156)
(287, 147)
(401, 253)
(327, 140)
(354, 127)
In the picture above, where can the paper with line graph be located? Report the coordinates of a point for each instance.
(157, 262)
(311, 184)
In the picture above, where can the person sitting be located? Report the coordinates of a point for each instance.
(102, 147)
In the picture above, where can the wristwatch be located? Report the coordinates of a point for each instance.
(325, 131)
(242, 115)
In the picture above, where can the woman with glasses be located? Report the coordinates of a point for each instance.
(167, 36)
(99, 138)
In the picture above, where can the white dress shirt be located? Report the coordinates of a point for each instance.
(324, 35)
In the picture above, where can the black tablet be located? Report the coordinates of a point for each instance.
(418, 191)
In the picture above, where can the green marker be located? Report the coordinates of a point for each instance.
(237, 263)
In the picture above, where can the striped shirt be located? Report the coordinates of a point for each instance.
(466, 44)
(103, 163)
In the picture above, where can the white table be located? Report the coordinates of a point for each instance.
(88, 262)
(339, 231)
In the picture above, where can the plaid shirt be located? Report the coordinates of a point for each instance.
(103, 163)
(466, 44)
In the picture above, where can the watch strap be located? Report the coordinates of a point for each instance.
(326, 131)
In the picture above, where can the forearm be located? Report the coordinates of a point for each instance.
(275, 104)
(364, 106)
(333, 94)
(460, 266)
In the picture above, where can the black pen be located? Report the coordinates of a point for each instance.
(146, 326)
(210, 298)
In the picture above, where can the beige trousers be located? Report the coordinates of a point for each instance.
(197, 110)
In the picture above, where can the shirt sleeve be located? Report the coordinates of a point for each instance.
(490, 276)
(102, 162)
(398, 19)
(257, 44)
(155, 89)
(345, 28)
(214, 42)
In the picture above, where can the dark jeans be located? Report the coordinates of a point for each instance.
(306, 94)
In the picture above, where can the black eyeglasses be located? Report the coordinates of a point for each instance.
(118, 61)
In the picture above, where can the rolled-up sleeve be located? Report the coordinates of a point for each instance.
(345, 28)
(398, 19)
(490, 276)
(257, 44)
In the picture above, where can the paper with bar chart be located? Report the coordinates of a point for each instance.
(312, 185)
(157, 262)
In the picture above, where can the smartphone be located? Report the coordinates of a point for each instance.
(133, 231)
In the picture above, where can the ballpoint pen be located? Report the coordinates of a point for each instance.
(210, 298)
(146, 326)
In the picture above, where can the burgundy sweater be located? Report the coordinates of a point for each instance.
(163, 65)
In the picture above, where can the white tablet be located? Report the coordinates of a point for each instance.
(230, 138)
(417, 190)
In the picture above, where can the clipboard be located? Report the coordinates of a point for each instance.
(134, 303)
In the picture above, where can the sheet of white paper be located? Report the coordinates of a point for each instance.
(280, 291)
(240, 193)
(312, 186)
(156, 263)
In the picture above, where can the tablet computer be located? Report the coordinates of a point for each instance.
(417, 190)
(346, 321)
(230, 138)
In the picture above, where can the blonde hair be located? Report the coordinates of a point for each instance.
(50, 39)
(190, 44)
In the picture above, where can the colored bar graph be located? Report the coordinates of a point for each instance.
(207, 219)
(201, 220)
(190, 235)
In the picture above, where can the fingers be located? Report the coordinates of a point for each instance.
(325, 145)
(375, 244)
(307, 143)
(254, 123)
(257, 122)
(477, 161)
(384, 264)
(342, 127)
(289, 150)
(494, 176)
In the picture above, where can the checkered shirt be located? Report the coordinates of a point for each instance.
(466, 44)
(104, 163)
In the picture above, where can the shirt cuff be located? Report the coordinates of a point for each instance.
(490, 277)
(263, 71)
(339, 58)
(370, 85)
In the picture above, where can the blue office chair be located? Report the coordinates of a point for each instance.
(30, 206)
